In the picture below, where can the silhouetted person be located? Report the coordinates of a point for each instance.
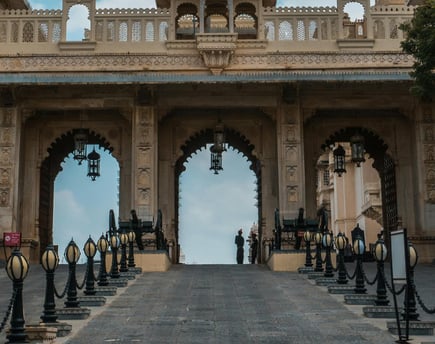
(254, 248)
(239, 241)
(137, 231)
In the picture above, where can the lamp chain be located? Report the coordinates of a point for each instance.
(8, 312)
(421, 303)
(61, 296)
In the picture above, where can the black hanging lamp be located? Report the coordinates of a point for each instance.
(339, 160)
(217, 148)
(93, 165)
(80, 142)
(357, 149)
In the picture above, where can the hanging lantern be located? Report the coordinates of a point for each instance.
(357, 149)
(215, 160)
(219, 138)
(80, 142)
(93, 165)
(339, 160)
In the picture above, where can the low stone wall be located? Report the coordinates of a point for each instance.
(291, 260)
(149, 261)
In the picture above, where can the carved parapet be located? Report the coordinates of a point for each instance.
(216, 49)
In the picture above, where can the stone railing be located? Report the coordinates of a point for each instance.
(305, 27)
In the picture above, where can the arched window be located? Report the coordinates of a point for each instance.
(28, 32)
(301, 30)
(123, 32)
(285, 31)
(78, 23)
(136, 34)
(270, 31)
(245, 21)
(163, 31)
(149, 32)
(187, 22)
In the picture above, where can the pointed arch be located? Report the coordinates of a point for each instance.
(50, 167)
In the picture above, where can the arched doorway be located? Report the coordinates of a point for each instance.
(383, 163)
(199, 141)
(50, 167)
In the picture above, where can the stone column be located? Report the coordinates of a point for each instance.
(9, 153)
(230, 5)
(291, 160)
(144, 164)
(201, 15)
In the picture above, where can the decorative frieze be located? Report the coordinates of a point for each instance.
(162, 62)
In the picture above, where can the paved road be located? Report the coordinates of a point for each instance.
(217, 304)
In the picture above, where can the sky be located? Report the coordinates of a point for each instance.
(212, 207)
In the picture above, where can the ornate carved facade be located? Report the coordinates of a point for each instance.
(150, 84)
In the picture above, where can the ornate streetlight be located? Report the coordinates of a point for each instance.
(307, 239)
(339, 160)
(17, 268)
(327, 241)
(340, 242)
(102, 246)
(93, 165)
(381, 253)
(318, 241)
(123, 237)
(49, 262)
(410, 309)
(90, 250)
(357, 149)
(72, 255)
(131, 239)
(114, 245)
(359, 249)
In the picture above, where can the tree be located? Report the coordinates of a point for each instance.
(420, 43)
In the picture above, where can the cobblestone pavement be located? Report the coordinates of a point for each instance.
(219, 304)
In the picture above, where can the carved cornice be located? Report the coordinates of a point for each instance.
(192, 61)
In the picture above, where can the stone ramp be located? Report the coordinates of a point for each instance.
(225, 304)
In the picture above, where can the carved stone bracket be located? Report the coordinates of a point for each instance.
(216, 50)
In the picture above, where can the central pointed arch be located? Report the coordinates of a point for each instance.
(50, 167)
(199, 141)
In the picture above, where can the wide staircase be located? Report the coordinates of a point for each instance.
(207, 304)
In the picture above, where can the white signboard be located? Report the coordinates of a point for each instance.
(398, 256)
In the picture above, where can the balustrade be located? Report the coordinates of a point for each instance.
(298, 25)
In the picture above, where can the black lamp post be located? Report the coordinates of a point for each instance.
(381, 254)
(114, 245)
(327, 241)
(102, 246)
(90, 250)
(72, 255)
(339, 160)
(49, 262)
(131, 239)
(318, 241)
(307, 239)
(17, 268)
(359, 248)
(410, 307)
(340, 242)
(123, 237)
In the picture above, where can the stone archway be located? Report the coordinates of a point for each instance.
(383, 163)
(198, 141)
(50, 167)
